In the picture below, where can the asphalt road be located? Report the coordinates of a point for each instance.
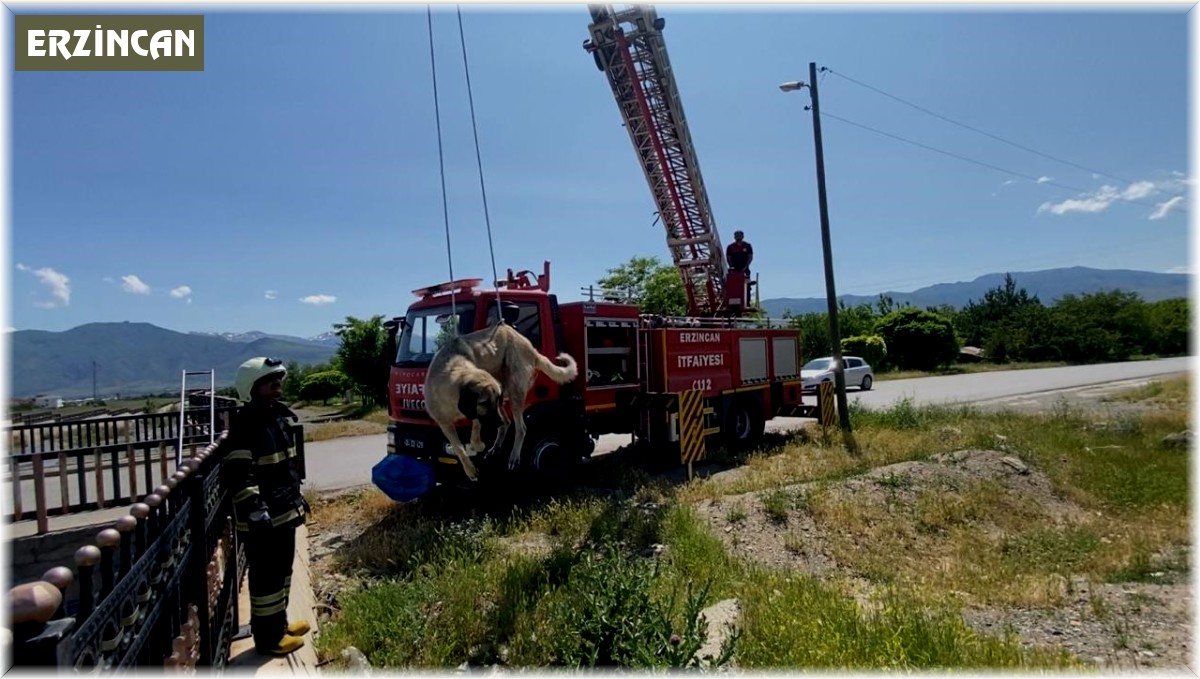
(347, 462)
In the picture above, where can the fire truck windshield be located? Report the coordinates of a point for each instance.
(425, 330)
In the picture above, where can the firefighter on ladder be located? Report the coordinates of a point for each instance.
(262, 472)
(739, 253)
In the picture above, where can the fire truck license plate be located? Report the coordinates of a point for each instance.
(412, 443)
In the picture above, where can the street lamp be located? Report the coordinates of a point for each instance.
(839, 370)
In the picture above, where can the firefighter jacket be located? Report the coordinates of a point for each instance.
(262, 469)
(739, 254)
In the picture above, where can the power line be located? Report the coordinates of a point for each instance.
(826, 114)
(979, 131)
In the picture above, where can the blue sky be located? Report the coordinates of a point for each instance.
(303, 159)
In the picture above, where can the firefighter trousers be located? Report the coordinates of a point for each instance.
(269, 555)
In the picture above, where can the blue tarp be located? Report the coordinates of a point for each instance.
(403, 478)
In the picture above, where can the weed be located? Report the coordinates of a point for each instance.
(1099, 606)
(736, 514)
(894, 481)
(776, 504)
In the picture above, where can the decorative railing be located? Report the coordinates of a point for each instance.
(159, 588)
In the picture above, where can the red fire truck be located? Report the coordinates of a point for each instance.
(633, 366)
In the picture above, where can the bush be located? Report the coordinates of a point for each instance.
(871, 348)
(323, 386)
(917, 339)
(607, 615)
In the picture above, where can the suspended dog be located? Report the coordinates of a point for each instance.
(471, 374)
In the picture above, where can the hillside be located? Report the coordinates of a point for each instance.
(134, 358)
(1049, 285)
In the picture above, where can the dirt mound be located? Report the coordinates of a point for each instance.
(777, 527)
(961, 469)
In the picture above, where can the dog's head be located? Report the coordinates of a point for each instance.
(477, 403)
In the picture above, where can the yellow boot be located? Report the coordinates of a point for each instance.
(286, 645)
(298, 628)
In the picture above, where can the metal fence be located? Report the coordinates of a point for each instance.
(76, 466)
(159, 588)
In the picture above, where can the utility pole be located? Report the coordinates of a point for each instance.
(839, 372)
(95, 398)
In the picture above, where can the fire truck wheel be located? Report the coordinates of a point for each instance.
(550, 455)
(744, 425)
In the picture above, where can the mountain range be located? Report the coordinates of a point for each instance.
(139, 358)
(1049, 285)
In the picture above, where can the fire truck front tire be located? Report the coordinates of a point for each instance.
(744, 425)
(550, 454)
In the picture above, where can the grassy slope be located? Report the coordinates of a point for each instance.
(565, 582)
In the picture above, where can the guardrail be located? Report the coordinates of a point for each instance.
(169, 573)
(107, 458)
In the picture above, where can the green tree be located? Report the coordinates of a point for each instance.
(814, 333)
(884, 304)
(323, 386)
(871, 348)
(1102, 326)
(296, 374)
(917, 339)
(855, 320)
(978, 320)
(1169, 327)
(1029, 334)
(362, 356)
(656, 287)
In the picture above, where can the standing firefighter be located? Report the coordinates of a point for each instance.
(739, 253)
(263, 474)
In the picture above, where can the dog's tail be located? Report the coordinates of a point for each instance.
(564, 372)
(467, 375)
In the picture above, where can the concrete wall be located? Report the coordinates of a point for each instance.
(33, 555)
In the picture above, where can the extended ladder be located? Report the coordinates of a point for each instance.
(184, 408)
(628, 47)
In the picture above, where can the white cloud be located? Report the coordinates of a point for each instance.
(1043, 180)
(1138, 190)
(1165, 209)
(319, 299)
(1102, 198)
(1009, 181)
(182, 292)
(270, 294)
(133, 284)
(1179, 269)
(58, 283)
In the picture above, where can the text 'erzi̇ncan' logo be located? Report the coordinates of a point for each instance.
(117, 42)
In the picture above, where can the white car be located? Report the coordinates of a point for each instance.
(858, 373)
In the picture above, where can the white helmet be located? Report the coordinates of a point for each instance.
(254, 370)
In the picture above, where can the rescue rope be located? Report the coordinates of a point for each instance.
(441, 164)
(479, 162)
